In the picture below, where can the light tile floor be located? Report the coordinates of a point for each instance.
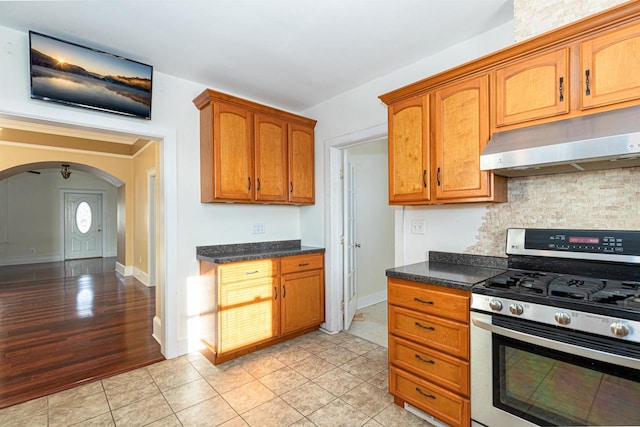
(374, 327)
(314, 380)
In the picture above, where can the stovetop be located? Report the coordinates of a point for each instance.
(619, 298)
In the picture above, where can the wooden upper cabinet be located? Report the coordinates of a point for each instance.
(251, 153)
(270, 158)
(533, 88)
(409, 172)
(232, 153)
(461, 132)
(610, 67)
(301, 172)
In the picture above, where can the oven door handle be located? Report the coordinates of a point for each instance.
(557, 345)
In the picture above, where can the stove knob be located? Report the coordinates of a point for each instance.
(619, 329)
(562, 318)
(516, 309)
(495, 305)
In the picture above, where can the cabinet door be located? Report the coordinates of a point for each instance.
(461, 133)
(232, 153)
(409, 151)
(248, 313)
(610, 66)
(271, 158)
(302, 303)
(301, 173)
(532, 89)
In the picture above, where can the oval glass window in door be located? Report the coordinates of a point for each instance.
(83, 217)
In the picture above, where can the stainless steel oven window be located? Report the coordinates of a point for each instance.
(552, 388)
(520, 379)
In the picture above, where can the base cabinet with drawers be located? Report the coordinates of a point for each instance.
(429, 349)
(251, 305)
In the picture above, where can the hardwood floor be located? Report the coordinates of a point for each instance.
(67, 323)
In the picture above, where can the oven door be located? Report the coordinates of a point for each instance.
(526, 374)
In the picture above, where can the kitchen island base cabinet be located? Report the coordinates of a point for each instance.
(252, 305)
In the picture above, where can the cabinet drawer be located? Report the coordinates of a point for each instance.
(434, 332)
(442, 404)
(292, 264)
(452, 304)
(447, 371)
(248, 270)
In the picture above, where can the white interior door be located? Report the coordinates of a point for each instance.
(82, 225)
(349, 229)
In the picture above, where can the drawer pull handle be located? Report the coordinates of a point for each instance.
(420, 358)
(251, 272)
(302, 264)
(430, 396)
(587, 83)
(416, 299)
(420, 325)
(275, 289)
(284, 291)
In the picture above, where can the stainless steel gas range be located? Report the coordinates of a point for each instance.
(555, 340)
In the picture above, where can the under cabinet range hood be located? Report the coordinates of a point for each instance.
(598, 141)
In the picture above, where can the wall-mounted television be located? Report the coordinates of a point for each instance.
(76, 75)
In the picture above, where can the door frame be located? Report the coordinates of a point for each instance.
(63, 192)
(166, 322)
(152, 231)
(334, 260)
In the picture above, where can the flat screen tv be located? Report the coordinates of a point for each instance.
(75, 75)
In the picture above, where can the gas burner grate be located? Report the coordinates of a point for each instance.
(575, 287)
(526, 282)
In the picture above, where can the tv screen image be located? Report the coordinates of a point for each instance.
(71, 74)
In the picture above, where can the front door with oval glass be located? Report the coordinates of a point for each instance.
(82, 225)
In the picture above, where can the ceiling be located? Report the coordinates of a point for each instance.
(291, 54)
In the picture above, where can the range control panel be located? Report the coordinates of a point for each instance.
(527, 241)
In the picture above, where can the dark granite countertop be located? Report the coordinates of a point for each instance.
(223, 254)
(460, 271)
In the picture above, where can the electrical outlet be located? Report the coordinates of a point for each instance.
(257, 228)
(417, 226)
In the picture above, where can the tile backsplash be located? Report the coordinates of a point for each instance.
(602, 199)
(605, 199)
(533, 17)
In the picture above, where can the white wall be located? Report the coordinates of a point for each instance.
(374, 219)
(361, 109)
(34, 218)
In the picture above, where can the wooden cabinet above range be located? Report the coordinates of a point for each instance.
(439, 126)
(252, 153)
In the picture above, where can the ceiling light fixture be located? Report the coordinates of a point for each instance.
(65, 172)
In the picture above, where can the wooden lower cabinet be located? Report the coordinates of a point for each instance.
(449, 407)
(429, 349)
(251, 305)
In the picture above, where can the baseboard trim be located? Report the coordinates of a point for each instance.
(32, 260)
(141, 276)
(157, 330)
(367, 300)
(124, 269)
